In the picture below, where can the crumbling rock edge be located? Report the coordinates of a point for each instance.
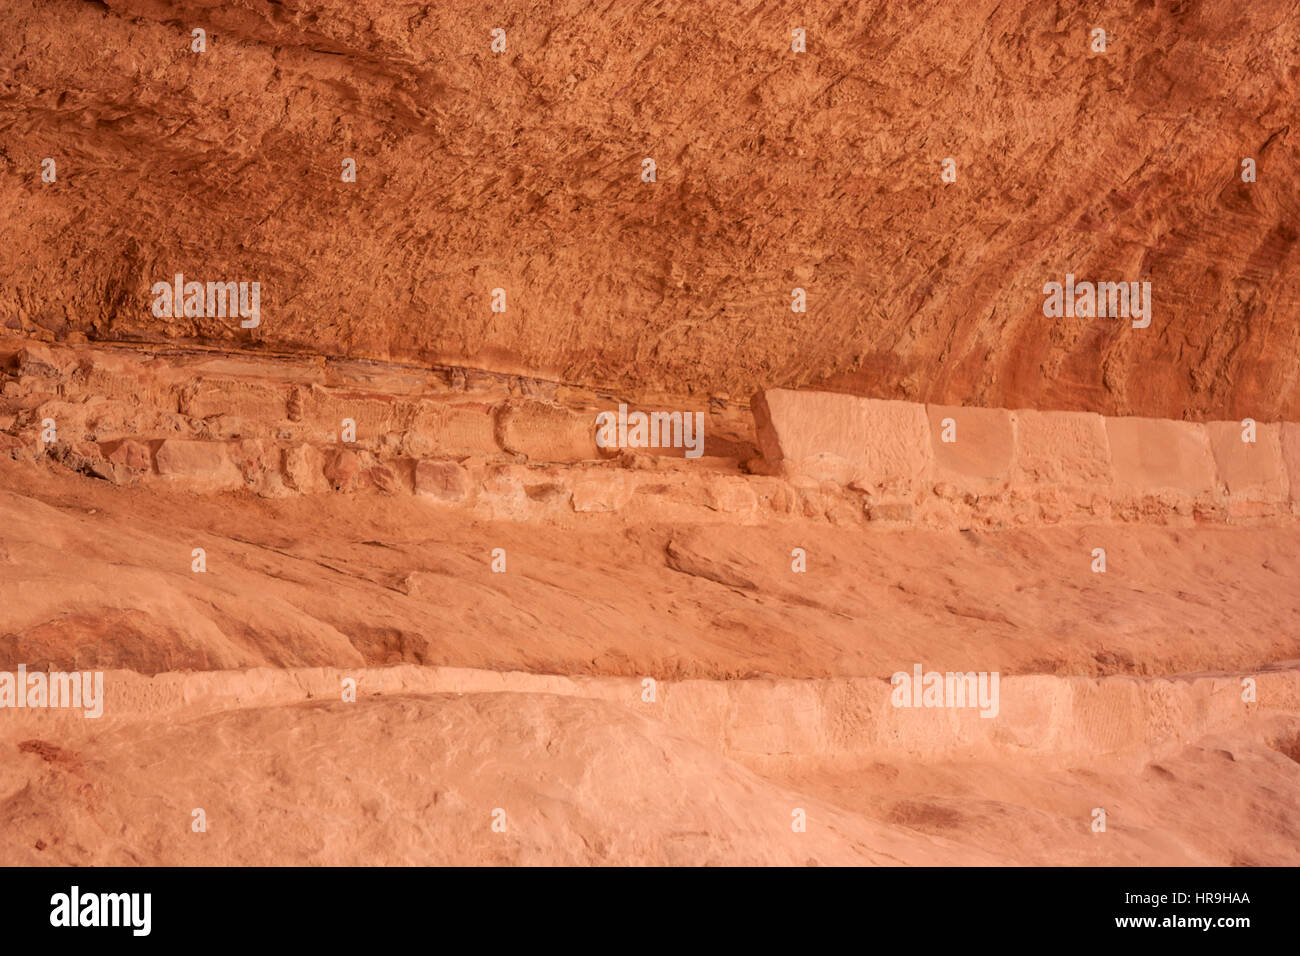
(212, 422)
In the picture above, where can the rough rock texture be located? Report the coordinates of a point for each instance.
(442, 481)
(1065, 448)
(546, 432)
(521, 171)
(386, 479)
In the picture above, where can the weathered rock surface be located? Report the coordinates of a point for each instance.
(1023, 466)
(772, 687)
(840, 438)
(521, 171)
(441, 480)
(1149, 455)
(391, 475)
(982, 450)
(200, 466)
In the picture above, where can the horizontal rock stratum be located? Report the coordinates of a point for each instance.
(525, 449)
(1042, 715)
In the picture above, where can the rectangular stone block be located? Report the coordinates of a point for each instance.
(1153, 455)
(1065, 448)
(324, 410)
(774, 717)
(441, 480)
(983, 447)
(1249, 471)
(112, 375)
(545, 432)
(873, 443)
(1290, 440)
(198, 465)
(451, 431)
(253, 402)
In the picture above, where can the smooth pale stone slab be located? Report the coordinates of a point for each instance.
(843, 438)
(1249, 471)
(984, 449)
(1157, 454)
(1290, 439)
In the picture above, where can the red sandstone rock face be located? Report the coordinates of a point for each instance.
(386, 480)
(775, 170)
